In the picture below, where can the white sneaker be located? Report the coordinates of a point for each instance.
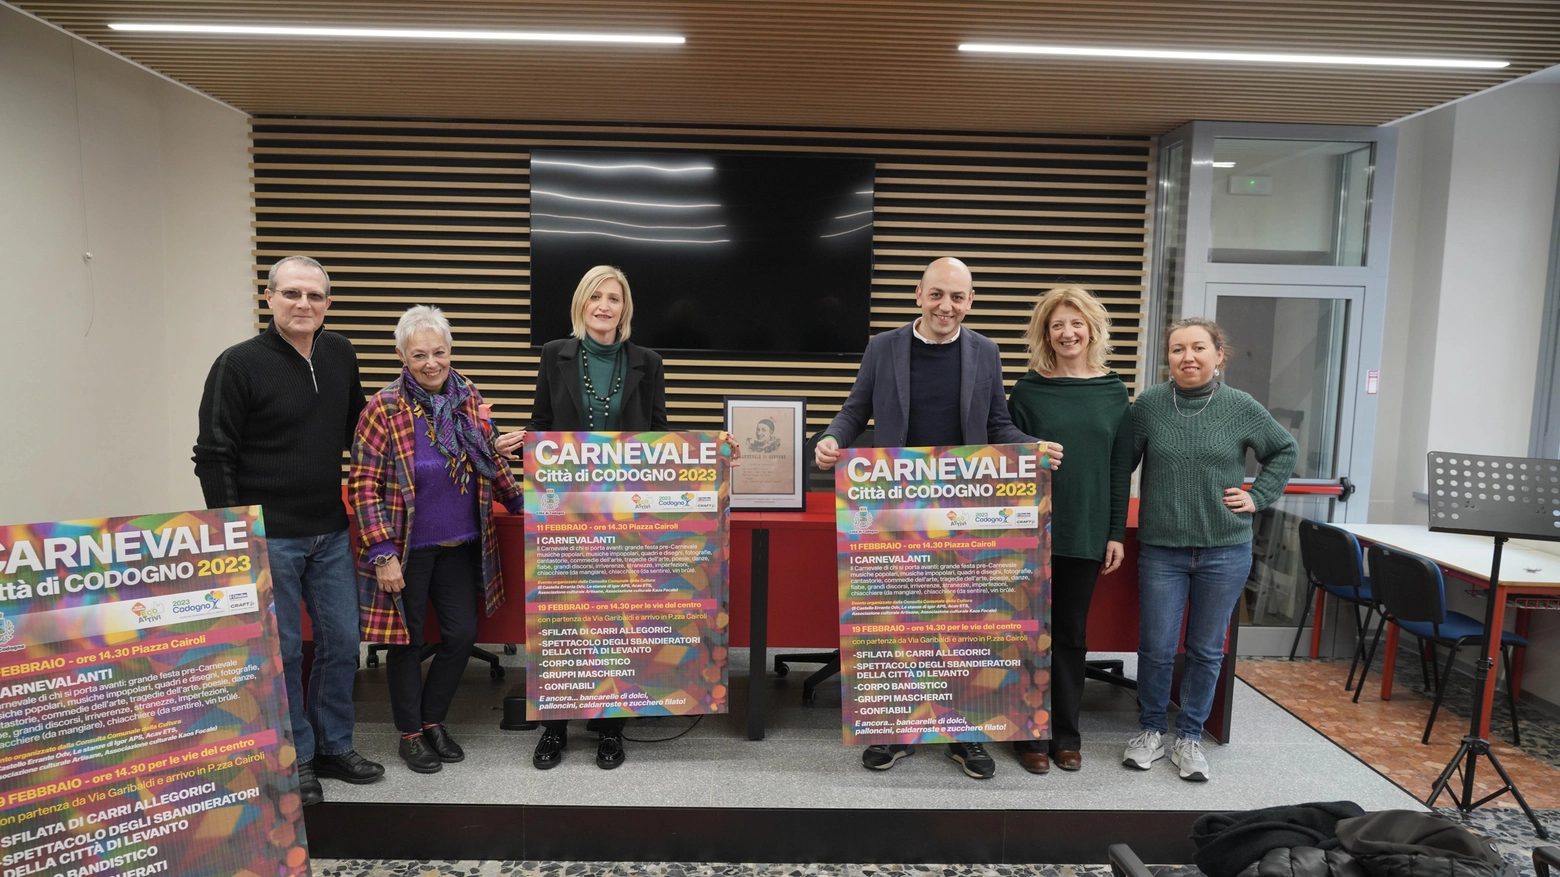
(1144, 749)
(1188, 756)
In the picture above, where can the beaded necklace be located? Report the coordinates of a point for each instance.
(590, 388)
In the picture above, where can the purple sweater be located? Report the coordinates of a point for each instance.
(443, 513)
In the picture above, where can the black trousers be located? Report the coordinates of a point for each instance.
(1072, 588)
(452, 579)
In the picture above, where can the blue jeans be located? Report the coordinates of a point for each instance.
(318, 571)
(1201, 585)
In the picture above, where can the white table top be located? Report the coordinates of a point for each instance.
(1522, 562)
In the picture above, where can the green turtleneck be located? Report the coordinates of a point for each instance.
(607, 365)
(1091, 420)
(1192, 451)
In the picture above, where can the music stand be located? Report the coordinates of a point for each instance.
(1499, 497)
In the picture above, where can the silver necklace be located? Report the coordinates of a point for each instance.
(1174, 397)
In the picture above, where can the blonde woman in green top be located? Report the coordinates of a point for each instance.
(1068, 394)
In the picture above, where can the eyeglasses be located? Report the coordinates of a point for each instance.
(295, 295)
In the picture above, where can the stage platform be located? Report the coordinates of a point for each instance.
(800, 795)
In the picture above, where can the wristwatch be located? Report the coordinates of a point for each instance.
(384, 559)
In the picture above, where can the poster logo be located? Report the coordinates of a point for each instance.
(550, 501)
(861, 521)
(147, 612)
(640, 502)
(957, 518)
(7, 629)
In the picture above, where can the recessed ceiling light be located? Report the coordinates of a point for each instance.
(1239, 57)
(1224, 164)
(382, 33)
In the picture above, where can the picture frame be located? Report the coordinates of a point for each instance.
(771, 474)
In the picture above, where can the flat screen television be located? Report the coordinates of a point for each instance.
(756, 254)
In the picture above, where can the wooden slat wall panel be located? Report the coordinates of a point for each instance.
(406, 212)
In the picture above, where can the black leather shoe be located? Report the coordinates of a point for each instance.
(438, 739)
(419, 756)
(549, 751)
(609, 752)
(349, 767)
(309, 791)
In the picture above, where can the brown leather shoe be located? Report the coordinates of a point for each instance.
(1068, 759)
(1035, 762)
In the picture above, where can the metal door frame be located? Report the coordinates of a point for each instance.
(1200, 277)
(1345, 448)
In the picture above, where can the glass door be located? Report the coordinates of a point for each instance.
(1292, 347)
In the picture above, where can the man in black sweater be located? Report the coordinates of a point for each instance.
(929, 383)
(277, 413)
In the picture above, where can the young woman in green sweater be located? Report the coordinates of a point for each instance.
(1194, 531)
(1069, 395)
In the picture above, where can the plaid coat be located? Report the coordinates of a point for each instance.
(379, 483)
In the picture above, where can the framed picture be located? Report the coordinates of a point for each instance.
(770, 474)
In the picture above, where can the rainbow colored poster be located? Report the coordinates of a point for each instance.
(626, 549)
(143, 716)
(945, 593)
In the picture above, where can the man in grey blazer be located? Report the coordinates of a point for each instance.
(929, 383)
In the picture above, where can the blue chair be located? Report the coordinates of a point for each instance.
(1333, 562)
(1412, 595)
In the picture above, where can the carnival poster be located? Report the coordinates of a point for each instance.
(143, 716)
(626, 553)
(944, 577)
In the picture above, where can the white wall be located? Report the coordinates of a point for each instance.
(1470, 255)
(108, 356)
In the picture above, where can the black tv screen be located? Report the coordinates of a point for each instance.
(737, 253)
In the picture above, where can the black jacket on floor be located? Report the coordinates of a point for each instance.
(1228, 842)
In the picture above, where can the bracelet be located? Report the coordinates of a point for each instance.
(384, 559)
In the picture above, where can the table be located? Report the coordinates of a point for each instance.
(1526, 568)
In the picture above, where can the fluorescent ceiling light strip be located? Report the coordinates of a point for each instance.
(1245, 57)
(387, 33)
(621, 167)
(1224, 164)
(551, 194)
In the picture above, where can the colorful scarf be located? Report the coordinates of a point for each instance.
(459, 440)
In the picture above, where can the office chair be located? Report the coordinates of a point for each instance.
(1125, 863)
(1333, 562)
(1412, 595)
(820, 480)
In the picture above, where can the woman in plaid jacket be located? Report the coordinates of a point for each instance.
(425, 471)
